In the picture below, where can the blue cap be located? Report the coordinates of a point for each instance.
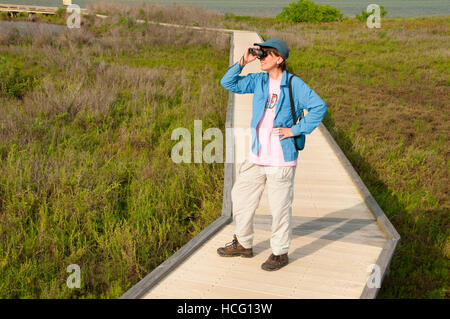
(278, 44)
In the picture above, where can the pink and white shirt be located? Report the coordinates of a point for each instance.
(270, 151)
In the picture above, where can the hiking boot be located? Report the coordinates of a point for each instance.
(275, 262)
(235, 249)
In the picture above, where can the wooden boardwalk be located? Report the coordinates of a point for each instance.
(339, 230)
(15, 8)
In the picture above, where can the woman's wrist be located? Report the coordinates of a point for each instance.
(242, 61)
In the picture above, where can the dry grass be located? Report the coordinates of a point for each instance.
(152, 12)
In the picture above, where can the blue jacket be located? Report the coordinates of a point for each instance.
(304, 98)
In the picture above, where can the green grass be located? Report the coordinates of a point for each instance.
(85, 171)
(14, 82)
(387, 94)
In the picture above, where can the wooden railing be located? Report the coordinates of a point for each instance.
(15, 8)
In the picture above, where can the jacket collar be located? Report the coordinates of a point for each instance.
(284, 78)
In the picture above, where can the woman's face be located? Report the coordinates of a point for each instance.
(271, 61)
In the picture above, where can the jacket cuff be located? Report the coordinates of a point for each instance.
(296, 130)
(240, 66)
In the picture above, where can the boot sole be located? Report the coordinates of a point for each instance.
(271, 269)
(235, 255)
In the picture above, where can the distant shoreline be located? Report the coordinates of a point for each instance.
(24, 25)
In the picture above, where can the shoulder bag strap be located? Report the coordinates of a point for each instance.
(292, 101)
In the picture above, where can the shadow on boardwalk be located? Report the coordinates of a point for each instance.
(328, 229)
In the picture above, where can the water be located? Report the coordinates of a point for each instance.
(395, 8)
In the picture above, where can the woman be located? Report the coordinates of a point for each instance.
(273, 155)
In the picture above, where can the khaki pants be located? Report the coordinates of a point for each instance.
(246, 194)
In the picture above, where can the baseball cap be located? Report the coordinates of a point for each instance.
(276, 43)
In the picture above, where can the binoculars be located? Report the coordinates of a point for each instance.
(261, 54)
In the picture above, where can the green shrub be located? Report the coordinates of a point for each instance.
(13, 83)
(4, 14)
(364, 14)
(60, 12)
(308, 11)
(142, 14)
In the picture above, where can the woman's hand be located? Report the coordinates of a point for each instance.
(248, 57)
(285, 131)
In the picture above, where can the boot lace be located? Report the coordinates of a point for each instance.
(233, 243)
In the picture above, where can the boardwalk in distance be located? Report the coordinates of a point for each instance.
(15, 8)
